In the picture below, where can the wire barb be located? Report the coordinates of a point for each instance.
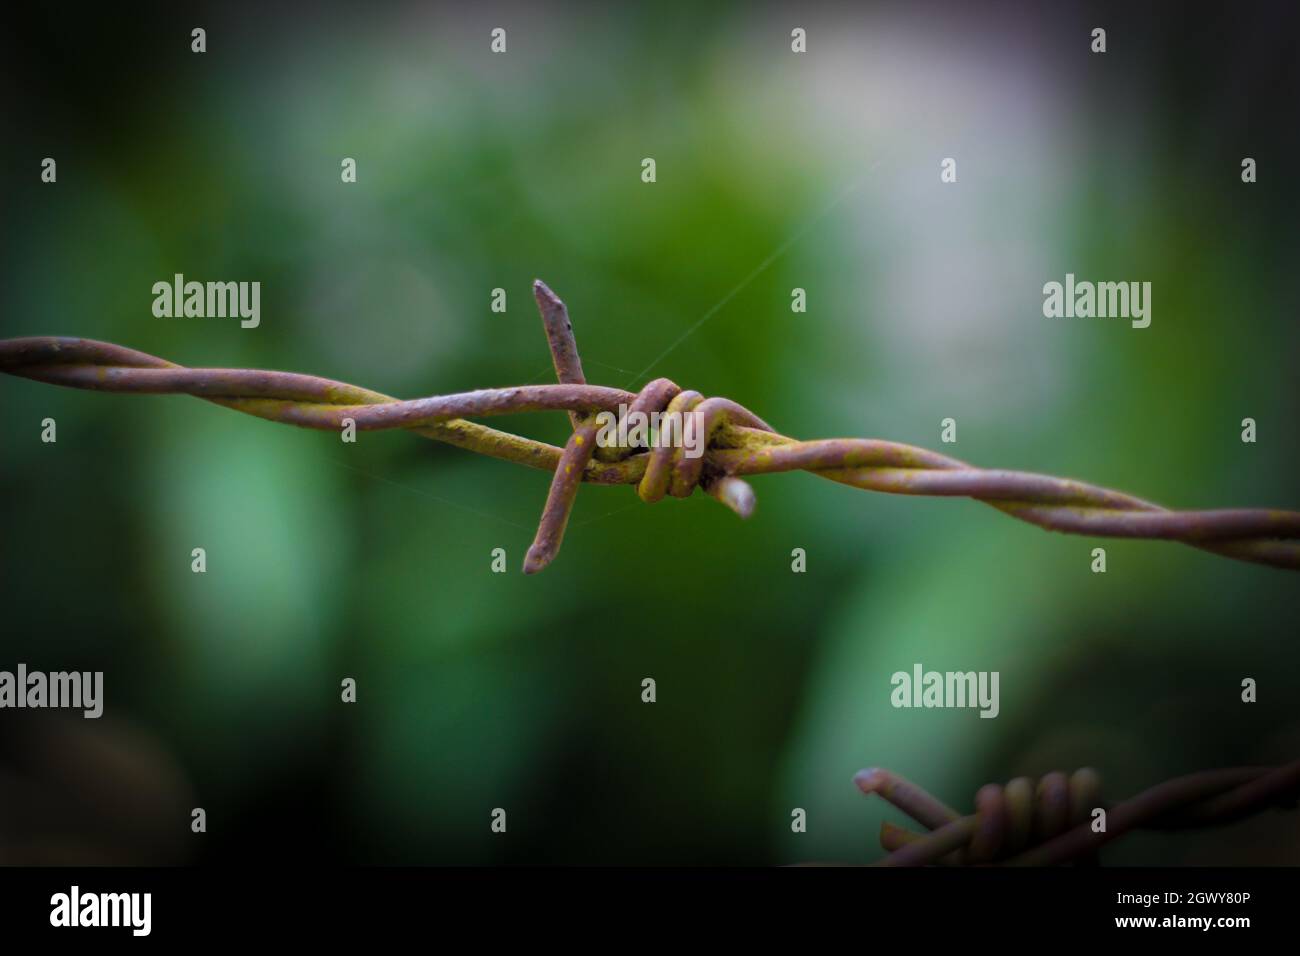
(1052, 821)
(737, 444)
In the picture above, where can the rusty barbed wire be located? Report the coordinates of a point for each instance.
(737, 444)
(1049, 822)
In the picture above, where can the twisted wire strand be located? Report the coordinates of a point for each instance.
(1049, 821)
(737, 444)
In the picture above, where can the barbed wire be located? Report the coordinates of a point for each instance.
(1051, 821)
(737, 444)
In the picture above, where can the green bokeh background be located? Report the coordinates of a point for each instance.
(775, 171)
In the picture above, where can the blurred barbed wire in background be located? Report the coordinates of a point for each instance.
(737, 443)
(1051, 821)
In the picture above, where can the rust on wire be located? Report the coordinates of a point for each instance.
(739, 444)
(1052, 821)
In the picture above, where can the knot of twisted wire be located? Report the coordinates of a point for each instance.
(669, 470)
(737, 443)
(1055, 819)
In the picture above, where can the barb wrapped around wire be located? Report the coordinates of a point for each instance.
(1053, 820)
(739, 444)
